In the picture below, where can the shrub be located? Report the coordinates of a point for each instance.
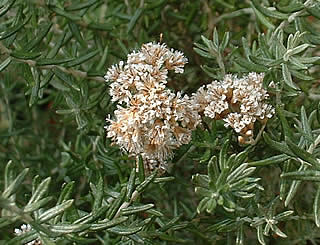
(232, 156)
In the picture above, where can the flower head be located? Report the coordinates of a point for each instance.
(152, 120)
(238, 101)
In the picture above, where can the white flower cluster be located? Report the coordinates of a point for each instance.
(23, 229)
(238, 101)
(150, 120)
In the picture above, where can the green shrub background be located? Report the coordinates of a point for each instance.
(61, 174)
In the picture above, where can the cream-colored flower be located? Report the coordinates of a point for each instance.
(238, 101)
(152, 120)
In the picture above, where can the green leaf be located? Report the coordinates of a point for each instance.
(81, 5)
(223, 155)
(155, 4)
(101, 26)
(203, 192)
(124, 231)
(76, 33)
(270, 13)
(213, 169)
(225, 41)
(51, 61)
(314, 10)
(40, 191)
(69, 228)
(136, 209)
(278, 231)
(301, 75)
(304, 155)
(113, 209)
(305, 124)
(212, 48)
(42, 33)
(285, 125)
(203, 53)
(4, 221)
(262, 18)
(163, 179)
(215, 38)
(170, 224)
(308, 175)
(89, 218)
(260, 235)
(25, 55)
(131, 184)
(278, 146)
(291, 6)
(201, 180)
(65, 78)
(46, 239)
(53, 212)
(98, 195)
(241, 171)
(4, 8)
(24, 238)
(137, 14)
(35, 89)
(287, 77)
(82, 59)
(10, 31)
(37, 205)
(316, 207)
(271, 160)
(13, 187)
(211, 205)
(250, 66)
(8, 174)
(53, 52)
(102, 225)
(294, 187)
(140, 188)
(202, 204)
(5, 63)
(283, 215)
(63, 13)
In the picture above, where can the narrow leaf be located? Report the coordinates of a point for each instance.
(82, 59)
(136, 209)
(102, 225)
(223, 155)
(134, 19)
(40, 191)
(53, 212)
(5, 63)
(271, 160)
(304, 155)
(287, 77)
(309, 175)
(63, 13)
(278, 146)
(13, 187)
(316, 207)
(262, 18)
(124, 231)
(10, 31)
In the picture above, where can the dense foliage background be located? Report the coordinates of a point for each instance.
(60, 174)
